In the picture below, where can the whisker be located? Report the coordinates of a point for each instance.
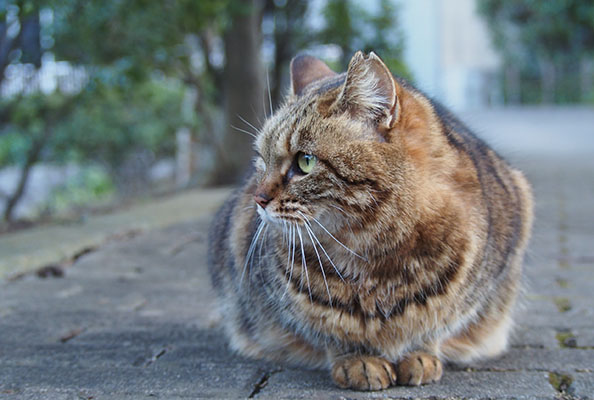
(262, 239)
(293, 252)
(264, 233)
(339, 209)
(332, 236)
(372, 198)
(308, 226)
(304, 263)
(284, 227)
(251, 250)
(346, 215)
(249, 124)
(258, 118)
(292, 258)
(320, 261)
(269, 97)
(244, 131)
(288, 247)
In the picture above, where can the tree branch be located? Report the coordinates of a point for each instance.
(51, 117)
(32, 158)
(7, 44)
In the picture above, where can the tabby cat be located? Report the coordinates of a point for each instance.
(376, 235)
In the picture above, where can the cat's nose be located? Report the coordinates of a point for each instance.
(262, 199)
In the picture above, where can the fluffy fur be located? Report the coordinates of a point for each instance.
(402, 248)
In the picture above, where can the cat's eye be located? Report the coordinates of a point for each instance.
(306, 162)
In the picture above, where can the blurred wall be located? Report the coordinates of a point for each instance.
(449, 53)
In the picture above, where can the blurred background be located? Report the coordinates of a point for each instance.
(110, 102)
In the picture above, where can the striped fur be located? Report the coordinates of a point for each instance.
(402, 248)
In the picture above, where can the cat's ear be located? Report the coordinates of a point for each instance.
(369, 91)
(306, 69)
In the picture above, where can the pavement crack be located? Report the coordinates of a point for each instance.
(50, 271)
(527, 346)
(146, 361)
(178, 247)
(563, 304)
(566, 339)
(57, 269)
(561, 382)
(82, 252)
(261, 384)
(71, 335)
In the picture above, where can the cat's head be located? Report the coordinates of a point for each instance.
(325, 151)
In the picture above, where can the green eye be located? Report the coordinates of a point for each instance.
(306, 162)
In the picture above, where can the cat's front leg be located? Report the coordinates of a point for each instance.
(363, 372)
(419, 368)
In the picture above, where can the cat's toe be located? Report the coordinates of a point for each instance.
(419, 368)
(363, 373)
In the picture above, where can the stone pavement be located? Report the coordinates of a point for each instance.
(29, 249)
(132, 317)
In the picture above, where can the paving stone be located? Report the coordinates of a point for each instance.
(583, 385)
(524, 336)
(573, 282)
(160, 359)
(297, 384)
(529, 359)
(543, 312)
(71, 394)
(584, 337)
(26, 250)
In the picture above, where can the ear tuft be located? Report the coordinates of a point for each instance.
(369, 91)
(306, 69)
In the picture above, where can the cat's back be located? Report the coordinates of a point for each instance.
(506, 193)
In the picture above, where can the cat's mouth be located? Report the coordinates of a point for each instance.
(271, 216)
(308, 227)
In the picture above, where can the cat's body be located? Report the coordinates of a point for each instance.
(376, 235)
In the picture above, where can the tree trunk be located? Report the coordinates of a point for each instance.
(7, 44)
(32, 158)
(50, 117)
(243, 93)
(281, 57)
(288, 29)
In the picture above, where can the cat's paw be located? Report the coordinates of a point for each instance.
(363, 372)
(419, 368)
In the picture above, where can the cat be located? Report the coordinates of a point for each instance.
(375, 236)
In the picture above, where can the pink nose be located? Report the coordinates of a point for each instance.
(262, 199)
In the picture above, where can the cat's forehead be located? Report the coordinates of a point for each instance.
(281, 132)
(298, 123)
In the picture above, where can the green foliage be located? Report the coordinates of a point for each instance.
(112, 121)
(92, 186)
(107, 124)
(137, 36)
(340, 28)
(13, 148)
(550, 28)
(28, 118)
(532, 34)
(353, 27)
